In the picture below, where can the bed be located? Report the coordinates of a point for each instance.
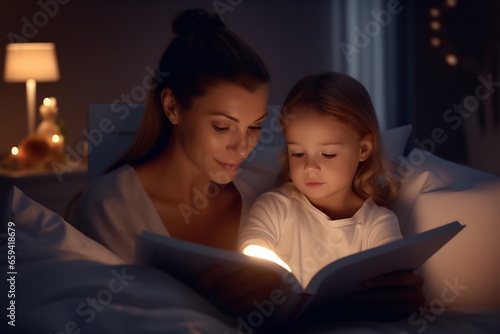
(64, 282)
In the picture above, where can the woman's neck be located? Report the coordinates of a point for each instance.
(190, 205)
(172, 176)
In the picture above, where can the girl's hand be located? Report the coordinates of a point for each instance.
(236, 293)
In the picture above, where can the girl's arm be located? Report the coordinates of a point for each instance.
(262, 225)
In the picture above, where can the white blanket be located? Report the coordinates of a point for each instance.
(68, 283)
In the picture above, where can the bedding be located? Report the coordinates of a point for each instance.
(68, 283)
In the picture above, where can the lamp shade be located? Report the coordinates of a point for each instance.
(36, 61)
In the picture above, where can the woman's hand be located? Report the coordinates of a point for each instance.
(386, 297)
(236, 293)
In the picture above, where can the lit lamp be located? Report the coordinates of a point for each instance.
(31, 62)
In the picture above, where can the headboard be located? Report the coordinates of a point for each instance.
(112, 127)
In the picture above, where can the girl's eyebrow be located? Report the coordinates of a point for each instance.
(234, 119)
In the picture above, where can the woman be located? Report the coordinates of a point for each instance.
(179, 177)
(201, 121)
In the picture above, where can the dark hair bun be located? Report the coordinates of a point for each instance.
(195, 19)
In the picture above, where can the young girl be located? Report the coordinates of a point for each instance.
(333, 206)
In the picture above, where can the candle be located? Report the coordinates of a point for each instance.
(14, 160)
(14, 150)
(56, 144)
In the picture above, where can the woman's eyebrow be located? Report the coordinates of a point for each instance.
(321, 144)
(261, 118)
(234, 119)
(217, 113)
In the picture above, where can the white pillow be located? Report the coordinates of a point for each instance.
(466, 271)
(394, 141)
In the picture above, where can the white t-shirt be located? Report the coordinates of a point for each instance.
(285, 221)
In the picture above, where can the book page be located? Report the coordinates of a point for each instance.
(346, 274)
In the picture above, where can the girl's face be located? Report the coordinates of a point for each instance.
(221, 128)
(323, 155)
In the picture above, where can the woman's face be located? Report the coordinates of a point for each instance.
(221, 128)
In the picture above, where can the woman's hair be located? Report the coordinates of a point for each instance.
(344, 98)
(203, 53)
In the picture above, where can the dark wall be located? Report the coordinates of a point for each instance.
(106, 47)
(466, 30)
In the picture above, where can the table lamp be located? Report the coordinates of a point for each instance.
(31, 62)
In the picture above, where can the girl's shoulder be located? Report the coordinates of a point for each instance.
(286, 194)
(371, 211)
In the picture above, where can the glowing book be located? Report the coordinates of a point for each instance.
(187, 261)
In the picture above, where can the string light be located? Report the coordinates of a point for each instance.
(435, 42)
(435, 25)
(434, 12)
(56, 138)
(451, 3)
(451, 59)
(14, 150)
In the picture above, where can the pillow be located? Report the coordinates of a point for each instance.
(394, 141)
(466, 271)
(40, 227)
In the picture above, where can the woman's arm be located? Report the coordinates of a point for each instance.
(237, 293)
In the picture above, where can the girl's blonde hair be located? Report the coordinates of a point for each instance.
(344, 98)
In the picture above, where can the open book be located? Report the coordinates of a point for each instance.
(187, 261)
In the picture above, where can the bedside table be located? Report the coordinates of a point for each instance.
(45, 187)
